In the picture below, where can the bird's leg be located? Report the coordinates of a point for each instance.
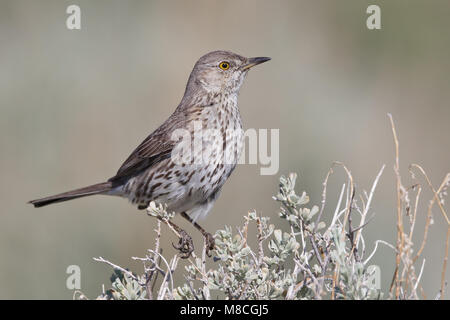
(185, 244)
(210, 243)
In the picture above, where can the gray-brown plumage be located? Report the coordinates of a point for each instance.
(160, 169)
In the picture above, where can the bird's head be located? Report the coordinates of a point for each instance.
(221, 72)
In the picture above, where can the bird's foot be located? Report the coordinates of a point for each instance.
(209, 242)
(185, 245)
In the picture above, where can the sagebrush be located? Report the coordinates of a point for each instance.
(312, 260)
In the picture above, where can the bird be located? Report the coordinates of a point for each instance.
(185, 162)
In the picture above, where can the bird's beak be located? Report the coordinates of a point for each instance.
(251, 62)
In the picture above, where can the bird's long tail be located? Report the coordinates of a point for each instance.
(98, 188)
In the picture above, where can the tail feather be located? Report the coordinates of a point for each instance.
(98, 188)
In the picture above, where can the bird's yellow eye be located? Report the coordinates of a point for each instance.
(224, 65)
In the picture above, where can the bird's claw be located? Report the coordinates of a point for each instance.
(209, 242)
(185, 245)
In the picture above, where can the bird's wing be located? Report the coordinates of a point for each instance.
(151, 151)
(156, 147)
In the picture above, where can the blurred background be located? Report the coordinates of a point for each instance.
(75, 103)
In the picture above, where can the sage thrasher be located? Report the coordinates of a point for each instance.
(177, 166)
